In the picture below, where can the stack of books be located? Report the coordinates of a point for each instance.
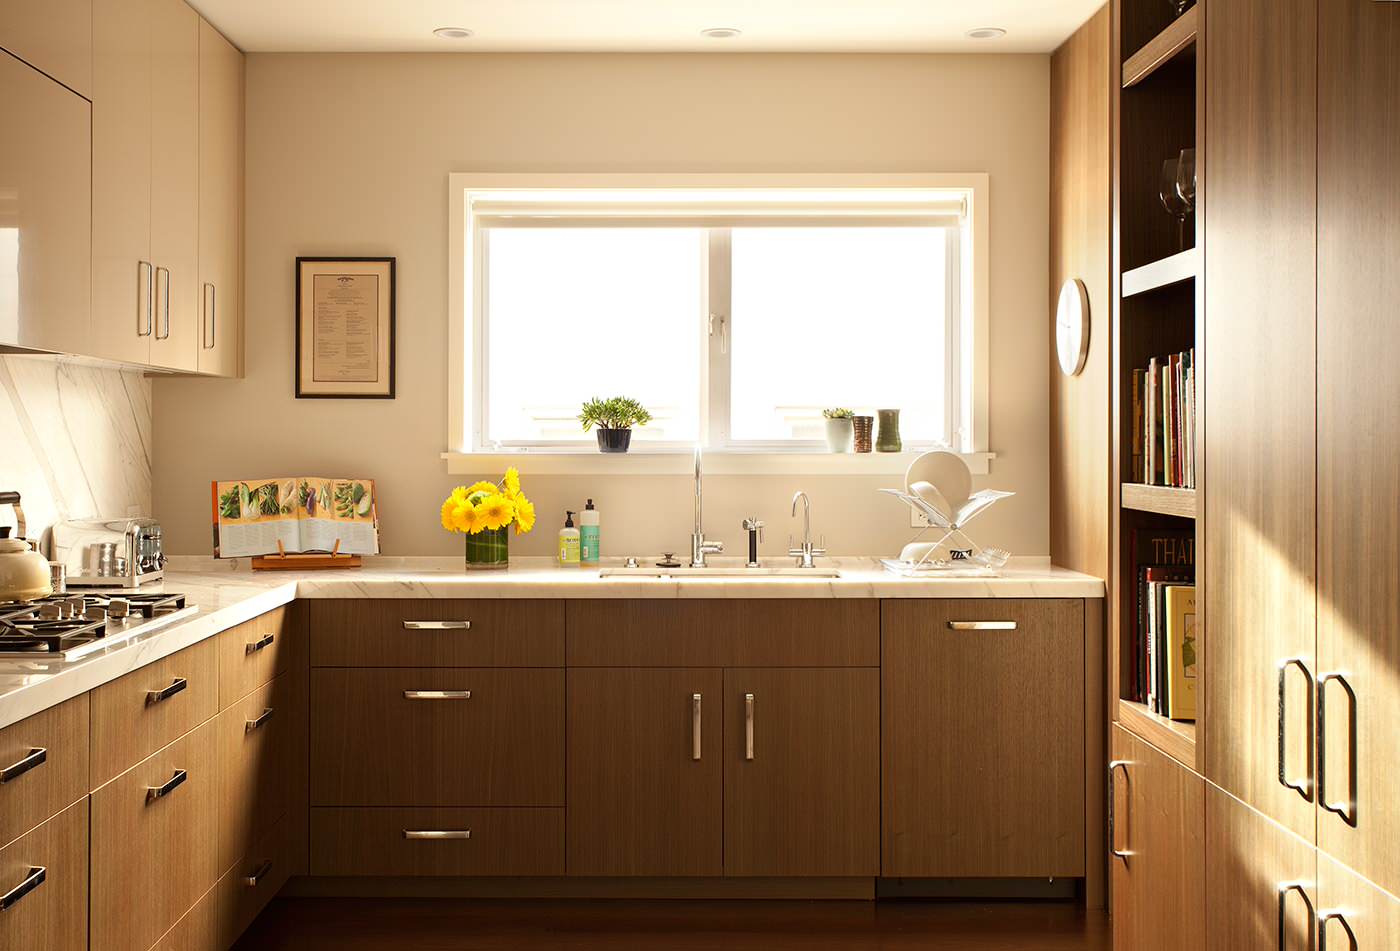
(1166, 648)
(1164, 421)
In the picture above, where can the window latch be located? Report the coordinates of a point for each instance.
(719, 325)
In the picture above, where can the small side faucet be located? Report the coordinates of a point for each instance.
(806, 553)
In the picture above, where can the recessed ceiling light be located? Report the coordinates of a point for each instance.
(452, 32)
(720, 32)
(986, 33)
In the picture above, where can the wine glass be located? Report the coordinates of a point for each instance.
(1171, 199)
(1186, 180)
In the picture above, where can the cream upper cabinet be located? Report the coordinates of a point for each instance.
(220, 203)
(53, 36)
(45, 202)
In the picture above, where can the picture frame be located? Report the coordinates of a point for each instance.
(346, 323)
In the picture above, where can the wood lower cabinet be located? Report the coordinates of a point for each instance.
(256, 651)
(645, 772)
(982, 733)
(257, 739)
(1353, 914)
(245, 889)
(43, 766)
(802, 771)
(422, 841)
(44, 878)
(421, 632)
(1157, 830)
(197, 931)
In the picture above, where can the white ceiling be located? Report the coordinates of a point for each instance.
(884, 26)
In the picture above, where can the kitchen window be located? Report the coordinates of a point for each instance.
(734, 309)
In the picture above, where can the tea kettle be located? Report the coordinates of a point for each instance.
(24, 573)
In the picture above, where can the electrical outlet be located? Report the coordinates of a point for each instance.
(918, 519)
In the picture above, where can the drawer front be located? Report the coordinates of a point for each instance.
(724, 633)
(197, 931)
(47, 910)
(256, 741)
(496, 739)
(437, 841)
(427, 633)
(154, 855)
(245, 889)
(139, 713)
(43, 766)
(255, 652)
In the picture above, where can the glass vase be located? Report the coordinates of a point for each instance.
(489, 548)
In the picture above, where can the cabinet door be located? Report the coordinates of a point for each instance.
(1261, 880)
(1158, 866)
(54, 36)
(1353, 914)
(45, 211)
(1359, 436)
(175, 183)
(982, 731)
(802, 772)
(1260, 515)
(645, 790)
(220, 202)
(122, 274)
(44, 876)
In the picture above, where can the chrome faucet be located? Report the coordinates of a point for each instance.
(699, 548)
(806, 553)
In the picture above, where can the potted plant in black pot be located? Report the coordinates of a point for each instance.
(614, 418)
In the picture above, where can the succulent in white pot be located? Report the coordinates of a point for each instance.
(839, 431)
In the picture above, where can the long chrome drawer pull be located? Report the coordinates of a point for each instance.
(165, 693)
(748, 726)
(174, 782)
(1346, 808)
(252, 880)
(257, 645)
(31, 759)
(1283, 891)
(1304, 786)
(981, 625)
(1113, 849)
(1326, 919)
(437, 625)
(437, 835)
(250, 725)
(695, 726)
(437, 694)
(32, 880)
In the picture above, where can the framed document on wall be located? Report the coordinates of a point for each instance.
(345, 328)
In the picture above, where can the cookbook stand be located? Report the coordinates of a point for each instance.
(972, 559)
(305, 561)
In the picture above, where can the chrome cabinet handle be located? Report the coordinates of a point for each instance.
(252, 880)
(165, 693)
(169, 786)
(437, 625)
(32, 880)
(1303, 787)
(1347, 807)
(437, 835)
(35, 757)
(437, 694)
(210, 298)
(1283, 891)
(260, 644)
(981, 625)
(144, 290)
(1113, 849)
(695, 726)
(250, 725)
(1324, 920)
(748, 726)
(164, 302)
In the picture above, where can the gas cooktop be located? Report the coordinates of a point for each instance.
(70, 626)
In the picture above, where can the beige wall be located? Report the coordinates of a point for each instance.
(350, 153)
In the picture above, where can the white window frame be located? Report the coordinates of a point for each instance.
(966, 401)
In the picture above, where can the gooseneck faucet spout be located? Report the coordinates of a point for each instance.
(806, 553)
(699, 548)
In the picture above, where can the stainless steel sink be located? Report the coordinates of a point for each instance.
(815, 574)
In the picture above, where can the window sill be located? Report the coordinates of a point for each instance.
(716, 462)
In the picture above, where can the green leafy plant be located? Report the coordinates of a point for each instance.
(837, 412)
(619, 412)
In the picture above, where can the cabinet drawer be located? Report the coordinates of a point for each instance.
(154, 855)
(52, 914)
(497, 739)
(245, 889)
(197, 931)
(401, 842)
(256, 739)
(139, 713)
(43, 766)
(724, 633)
(253, 653)
(426, 633)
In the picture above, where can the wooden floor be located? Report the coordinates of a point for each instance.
(313, 924)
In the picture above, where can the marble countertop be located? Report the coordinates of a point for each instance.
(228, 593)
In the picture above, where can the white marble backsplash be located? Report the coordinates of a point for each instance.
(75, 439)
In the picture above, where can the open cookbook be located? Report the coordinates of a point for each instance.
(295, 516)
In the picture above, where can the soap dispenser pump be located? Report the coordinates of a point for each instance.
(568, 542)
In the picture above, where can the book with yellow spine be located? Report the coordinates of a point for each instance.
(1183, 651)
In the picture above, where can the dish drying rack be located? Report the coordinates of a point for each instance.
(968, 559)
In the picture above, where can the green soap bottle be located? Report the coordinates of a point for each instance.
(590, 541)
(568, 542)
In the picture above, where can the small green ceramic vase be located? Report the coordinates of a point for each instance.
(888, 439)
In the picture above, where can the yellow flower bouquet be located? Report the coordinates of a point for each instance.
(484, 513)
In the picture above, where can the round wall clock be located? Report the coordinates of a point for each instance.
(1072, 326)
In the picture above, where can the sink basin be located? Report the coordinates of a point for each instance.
(815, 574)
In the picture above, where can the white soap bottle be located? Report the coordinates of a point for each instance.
(568, 542)
(590, 539)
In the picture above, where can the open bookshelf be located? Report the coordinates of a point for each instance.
(1158, 310)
